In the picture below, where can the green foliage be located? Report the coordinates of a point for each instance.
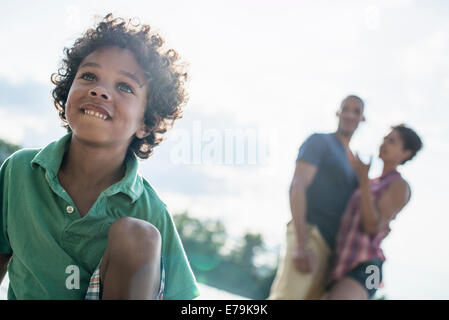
(6, 149)
(215, 264)
(203, 240)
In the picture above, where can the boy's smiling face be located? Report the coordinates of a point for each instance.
(107, 99)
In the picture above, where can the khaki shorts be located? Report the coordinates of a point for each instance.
(289, 283)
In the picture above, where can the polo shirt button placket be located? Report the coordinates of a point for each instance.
(69, 209)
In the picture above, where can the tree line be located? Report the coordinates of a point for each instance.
(214, 262)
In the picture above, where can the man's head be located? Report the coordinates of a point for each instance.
(123, 71)
(350, 115)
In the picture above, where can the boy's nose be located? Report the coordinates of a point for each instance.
(99, 92)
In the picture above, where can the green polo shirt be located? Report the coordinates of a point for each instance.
(50, 241)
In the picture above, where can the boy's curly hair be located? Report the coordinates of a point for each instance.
(163, 71)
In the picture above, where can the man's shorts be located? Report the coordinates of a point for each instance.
(94, 289)
(289, 283)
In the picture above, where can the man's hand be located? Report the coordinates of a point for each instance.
(304, 259)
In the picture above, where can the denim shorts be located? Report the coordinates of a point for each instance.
(94, 289)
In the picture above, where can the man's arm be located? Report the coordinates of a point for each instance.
(303, 177)
(304, 174)
(4, 260)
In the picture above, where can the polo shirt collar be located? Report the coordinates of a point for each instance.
(50, 158)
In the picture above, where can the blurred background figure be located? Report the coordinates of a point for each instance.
(322, 184)
(357, 264)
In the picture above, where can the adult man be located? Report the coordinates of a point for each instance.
(321, 186)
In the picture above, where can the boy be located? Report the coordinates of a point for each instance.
(76, 218)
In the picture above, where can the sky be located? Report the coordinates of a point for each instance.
(265, 75)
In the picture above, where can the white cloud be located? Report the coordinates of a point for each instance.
(14, 127)
(428, 57)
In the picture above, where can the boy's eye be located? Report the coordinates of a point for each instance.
(125, 87)
(89, 76)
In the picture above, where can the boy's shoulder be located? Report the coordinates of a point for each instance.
(151, 197)
(22, 157)
(149, 190)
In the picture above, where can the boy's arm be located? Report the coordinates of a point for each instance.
(304, 174)
(4, 261)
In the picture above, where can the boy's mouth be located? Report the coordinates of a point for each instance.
(95, 111)
(95, 114)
